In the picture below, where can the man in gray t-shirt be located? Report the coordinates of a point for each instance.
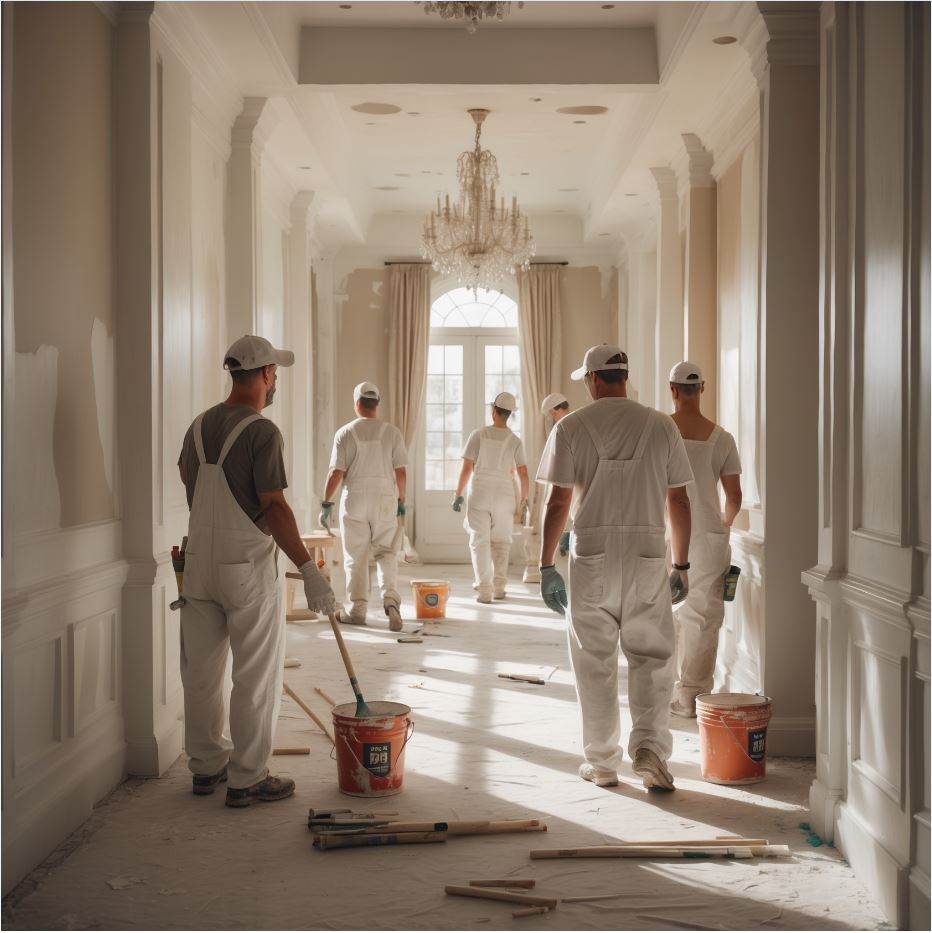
(254, 465)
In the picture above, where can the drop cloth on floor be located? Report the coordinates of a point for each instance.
(154, 856)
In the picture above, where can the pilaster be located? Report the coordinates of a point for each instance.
(669, 328)
(701, 270)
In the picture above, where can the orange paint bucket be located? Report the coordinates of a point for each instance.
(733, 737)
(430, 598)
(370, 752)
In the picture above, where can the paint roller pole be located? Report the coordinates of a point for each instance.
(362, 711)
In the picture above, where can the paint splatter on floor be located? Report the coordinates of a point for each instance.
(813, 838)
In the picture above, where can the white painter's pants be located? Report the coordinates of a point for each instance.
(699, 618)
(490, 509)
(619, 594)
(369, 524)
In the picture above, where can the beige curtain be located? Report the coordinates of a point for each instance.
(540, 338)
(408, 344)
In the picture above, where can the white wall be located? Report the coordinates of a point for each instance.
(871, 583)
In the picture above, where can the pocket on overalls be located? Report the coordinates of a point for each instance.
(239, 584)
(587, 578)
(651, 579)
(388, 509)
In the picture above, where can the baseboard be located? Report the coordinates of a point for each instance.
(823, 809)
(153, 755)
(876, 868)
(792, 737)
(33, 836)
(920, 913)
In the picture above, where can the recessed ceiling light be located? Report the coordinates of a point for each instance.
(370, 122)
(724, 40)
(386, 188)
(631, 194)
(525, 173)
(346, 6)
(414, 113)
(584, 111)
(425, 171)
(579, 121)
(608, 6)
(402, 175)
(535, 100)
(376, 108)
(568, 189)
(304, 168)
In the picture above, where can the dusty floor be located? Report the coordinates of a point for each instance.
(153, 856)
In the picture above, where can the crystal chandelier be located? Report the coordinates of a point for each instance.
(472, 12)
(473, 238)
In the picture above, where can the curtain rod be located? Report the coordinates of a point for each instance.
(405, 262)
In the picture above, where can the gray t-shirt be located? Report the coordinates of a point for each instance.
(254, 464)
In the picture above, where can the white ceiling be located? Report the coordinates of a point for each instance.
(352, 155)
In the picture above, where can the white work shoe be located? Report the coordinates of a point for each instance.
(481, 598)
(598, 777)
(685, 710)
(499, 593)
(350, 618)
(394, 618)
(652, 770)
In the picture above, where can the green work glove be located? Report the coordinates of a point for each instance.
(324, 518)
(458, 503)
(679, 586)
(564, 544)
(401, 508)
(553, 589)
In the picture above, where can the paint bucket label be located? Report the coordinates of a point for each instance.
(377, 758)
(757, 744)
(432, 599)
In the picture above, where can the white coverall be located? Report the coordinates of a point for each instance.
(369, 517)
(491, 504)
(699, 618)
(620, 457)
(232, 600)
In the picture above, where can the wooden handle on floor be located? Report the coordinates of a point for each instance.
(381, 829)
(527, 883)
(530, 911)
(488, 827)
(298, 750)
(324, 696)
(294, 696)
(351, 841)
(691, 851)
(489, 894)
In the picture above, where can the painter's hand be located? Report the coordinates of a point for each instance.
(458, 503)
(679, 586)
(553, 589)
(317, 590)
(324, 518)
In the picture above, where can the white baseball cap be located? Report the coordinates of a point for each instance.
(597, 359)
(506, 401)
(686, 373)
(552, 400)
(366, 390)
(252, 352)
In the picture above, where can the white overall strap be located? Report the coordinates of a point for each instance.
(715, 435)
(593, 434)
(234, 434)
(645, 436)
(198, 439)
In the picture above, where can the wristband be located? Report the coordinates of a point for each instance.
(327, 504)
(681, 566)
(547, 566)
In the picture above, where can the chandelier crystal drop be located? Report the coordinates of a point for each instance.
(473, 238)
(473, 13)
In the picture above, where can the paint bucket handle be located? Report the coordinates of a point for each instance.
(409, 733)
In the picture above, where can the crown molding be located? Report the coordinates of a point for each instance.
(699, 160)
(666, 180)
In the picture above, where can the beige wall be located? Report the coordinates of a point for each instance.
(62, 265)
(589, 304)
(362, 337)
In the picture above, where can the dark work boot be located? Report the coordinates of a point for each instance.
(264, 791)
(204, 784)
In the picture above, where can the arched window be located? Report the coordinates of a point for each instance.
(462, 307)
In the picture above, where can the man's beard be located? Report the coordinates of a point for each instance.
(270, 395)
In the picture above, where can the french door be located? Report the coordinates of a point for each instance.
(465, 372)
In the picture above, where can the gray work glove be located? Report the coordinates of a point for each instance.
(679, 586)
(324, 518)
(401, 508)
(564, 544)
(458, 503)
(317, 590)
(553, 589)
(525, 509)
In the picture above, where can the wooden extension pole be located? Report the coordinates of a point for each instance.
(340, 841)
(297, 750)
(714, 851)
(487, 827)
(320, 723)
(504, 883)
(325, 697)
(488, 894)
(530, 911)
(380, 830)
(693, 843)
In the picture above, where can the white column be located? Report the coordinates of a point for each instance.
(301, 479)
(784, 49)
(325, 349)
(243, 240)
(669, 331)
(701, 270)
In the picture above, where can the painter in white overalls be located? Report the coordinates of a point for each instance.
(369, 457)
(489, 457)
(713, 460)
(619, 458)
